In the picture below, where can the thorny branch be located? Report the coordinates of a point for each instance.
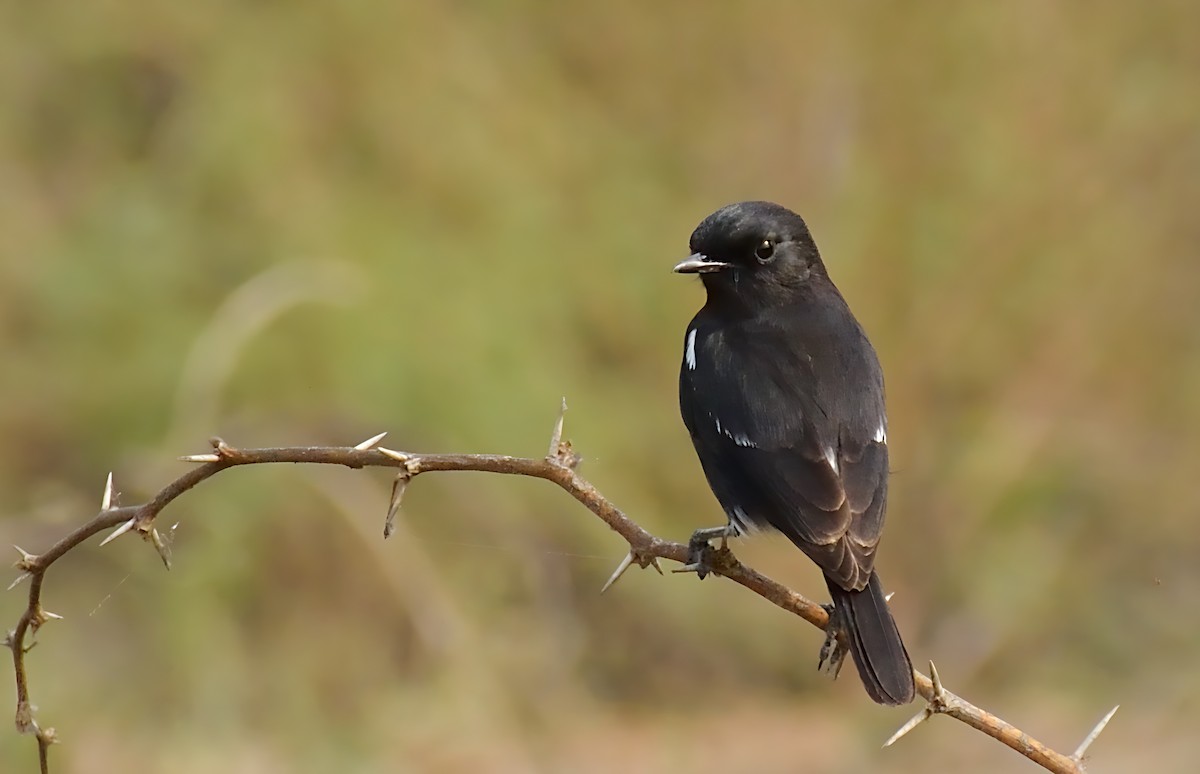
(558, 467)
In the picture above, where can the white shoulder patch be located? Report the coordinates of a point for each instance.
(881, 435)
(690, 353)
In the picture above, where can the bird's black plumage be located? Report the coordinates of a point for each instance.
(783, 397)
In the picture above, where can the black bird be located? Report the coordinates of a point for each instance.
(783, 396)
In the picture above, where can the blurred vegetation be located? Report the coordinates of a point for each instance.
(306, 223)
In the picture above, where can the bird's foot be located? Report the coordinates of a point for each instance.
(700, 550)
(834, 649)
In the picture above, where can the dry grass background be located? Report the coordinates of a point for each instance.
(306, 223)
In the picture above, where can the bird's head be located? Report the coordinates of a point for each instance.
(753, 249)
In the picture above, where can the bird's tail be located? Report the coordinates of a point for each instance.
(875, 644)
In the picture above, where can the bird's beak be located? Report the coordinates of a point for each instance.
(698, 263)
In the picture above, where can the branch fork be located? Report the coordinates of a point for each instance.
(938, 702)
(639, 556)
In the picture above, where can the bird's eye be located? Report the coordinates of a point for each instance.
(765, 251)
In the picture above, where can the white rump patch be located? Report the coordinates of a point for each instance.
(831, 457)
(690, 354)
(881, 435)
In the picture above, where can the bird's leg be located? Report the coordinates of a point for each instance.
(699, 549)
(834, 649)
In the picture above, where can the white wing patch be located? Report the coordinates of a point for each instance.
(831, 457)
(881, 435)
(690, 354)
(741, 439)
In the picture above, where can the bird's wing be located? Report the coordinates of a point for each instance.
(781, 450)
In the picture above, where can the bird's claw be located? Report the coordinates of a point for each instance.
(833, 651)
(700, 552)
(699, 557)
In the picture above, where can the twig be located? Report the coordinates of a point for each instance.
(943, 702)
(558, 467)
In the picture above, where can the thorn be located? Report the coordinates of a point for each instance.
(21, 577)
(556, 433)
(106, 499)
(161, 546)
(694, 567)
(119, 531)
(412, 463)
(915, 721)
(1081, 750)
(367, 444)
(10, 642)
(654, 563)
(399, 485)
(617, 573)
(40, 617)
(200, 458)
(936, 704)
(27, 560)
(939, 693)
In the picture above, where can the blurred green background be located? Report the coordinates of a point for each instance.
(308, 223)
